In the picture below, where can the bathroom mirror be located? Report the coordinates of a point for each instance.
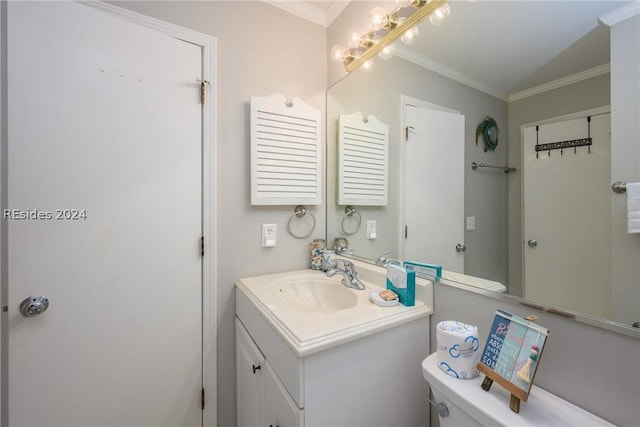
(559, 89)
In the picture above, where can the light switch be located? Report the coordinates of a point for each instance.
(471, 223)
(372, 232)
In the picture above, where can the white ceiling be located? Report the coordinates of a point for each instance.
(507, 47)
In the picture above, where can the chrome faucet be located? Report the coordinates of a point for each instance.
(384, 260)
(349, 274)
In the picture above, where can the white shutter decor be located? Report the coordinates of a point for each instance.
(363, 163)
(285, 152)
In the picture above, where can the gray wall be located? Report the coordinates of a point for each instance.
(261, 50)
(573, 98)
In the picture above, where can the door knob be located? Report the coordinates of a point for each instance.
(34, 306)
(460, 247)
(532, 243)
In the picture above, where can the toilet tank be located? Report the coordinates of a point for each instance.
(469, 404)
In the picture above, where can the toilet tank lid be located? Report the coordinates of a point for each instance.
(492, 407)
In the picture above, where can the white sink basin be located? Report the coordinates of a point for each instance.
(315, 295)
(312, 312)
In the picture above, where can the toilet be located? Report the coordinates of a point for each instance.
(467, 404)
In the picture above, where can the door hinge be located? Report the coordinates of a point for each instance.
(201, 245)
(202, 399)
(406, 132)
(406, 231)
(203, 90)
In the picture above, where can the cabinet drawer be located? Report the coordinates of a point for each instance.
(287, 366)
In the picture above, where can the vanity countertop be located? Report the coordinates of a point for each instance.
(307, 328)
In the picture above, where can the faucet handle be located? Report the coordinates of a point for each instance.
(382, 259)
(350, 268)
(328, 263)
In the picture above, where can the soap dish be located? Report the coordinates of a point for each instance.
(378, 300)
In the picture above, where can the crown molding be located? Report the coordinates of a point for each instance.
(307, 11)
(335, 10)
(621, 14)
(555, 84)
(437, 67)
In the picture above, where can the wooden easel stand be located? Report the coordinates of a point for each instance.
(517, 394)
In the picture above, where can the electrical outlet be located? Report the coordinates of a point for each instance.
(269, 235)
(372, 232)
(471, 223)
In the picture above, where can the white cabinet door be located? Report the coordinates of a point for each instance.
(279, 408)
(250, 372)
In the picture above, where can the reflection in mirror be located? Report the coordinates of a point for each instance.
(571, 83)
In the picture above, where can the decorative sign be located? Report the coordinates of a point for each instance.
(511, 355)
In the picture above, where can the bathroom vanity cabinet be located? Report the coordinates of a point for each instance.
(370, 380)
(262, 400)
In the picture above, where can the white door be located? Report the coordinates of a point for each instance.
(567, 212)
(104, 187)
(433, 190)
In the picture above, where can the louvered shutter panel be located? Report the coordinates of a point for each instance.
(285, 152)
(363, 162)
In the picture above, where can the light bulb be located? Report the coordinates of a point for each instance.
(386, 52)
(378, 18)
(440, 14)
(368, 64)
(354, 37)
(410, 36)
(337, 53)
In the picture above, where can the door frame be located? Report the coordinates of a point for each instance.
(208, 44)
(571, 116)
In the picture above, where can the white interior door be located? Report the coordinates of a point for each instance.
(567, 213)
(433, 187)
(104, 184)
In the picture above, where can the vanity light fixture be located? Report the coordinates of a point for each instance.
(387, 27)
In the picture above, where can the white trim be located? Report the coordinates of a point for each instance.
(621, 14)
(209, 193)
(435, 66)
(408, 100)
(565, 81)
(446, 71)
(302, 10)
(4, 333)
(335, 10)
(311, 13)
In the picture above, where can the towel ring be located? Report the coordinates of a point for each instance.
(349, 211)
(299, 212)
